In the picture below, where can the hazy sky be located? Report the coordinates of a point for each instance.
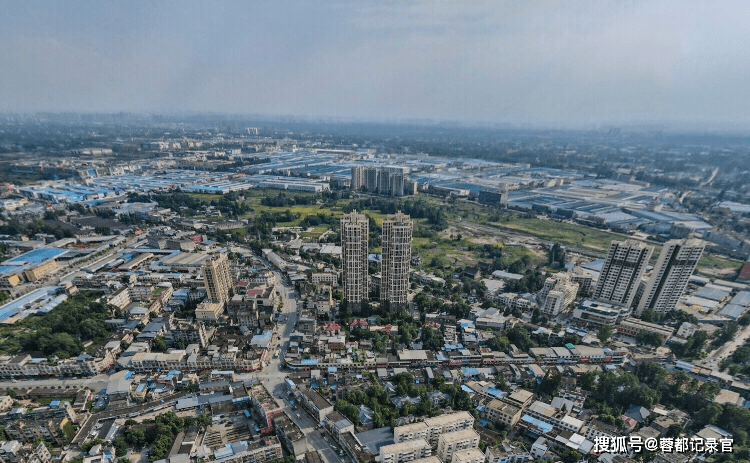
(495, 61)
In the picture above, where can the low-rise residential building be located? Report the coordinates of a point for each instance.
(507, 453)
(209, 311)
(473, 455)
(290, 435)
(405, 451)
(451, 442)
(503, 412)
(264, 404)
(267, 448)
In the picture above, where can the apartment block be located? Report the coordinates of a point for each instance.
(412, 431)
(503, 413)
(405, 451)
(558, 292)
(468, 456)
(452, 442)
(448, 423)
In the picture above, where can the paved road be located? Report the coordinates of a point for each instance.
(713, 359)
(273, 377)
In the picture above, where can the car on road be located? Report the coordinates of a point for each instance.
(299, 417)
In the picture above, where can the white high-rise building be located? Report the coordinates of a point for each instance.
(358, 178)
(355, 230)
(622, 271)
(397, 236)
(673, 269)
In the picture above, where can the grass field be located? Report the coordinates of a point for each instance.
(577, 236)
(561, 232)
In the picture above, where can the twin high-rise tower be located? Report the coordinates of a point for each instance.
(620, 281)
(396, 243)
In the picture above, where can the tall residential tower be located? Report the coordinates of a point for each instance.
(218, 279)
(355, 229)
(397, 234)
(622, 271)
(674, 268)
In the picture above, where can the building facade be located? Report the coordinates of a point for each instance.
(218, 279)
(355, 229)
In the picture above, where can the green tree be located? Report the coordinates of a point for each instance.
(605, 332)
(159, 344)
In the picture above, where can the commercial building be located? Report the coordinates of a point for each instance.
(493, 197)
(632, 326)
(452, 442)
(397, 236)
(597, 314)
(405, 451)
(355, 229)
(40, 271)
(673, 269)
(622, 271)
(218, 279)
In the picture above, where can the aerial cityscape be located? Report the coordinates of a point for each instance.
(191, 271)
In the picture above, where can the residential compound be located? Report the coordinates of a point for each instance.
(432, 428)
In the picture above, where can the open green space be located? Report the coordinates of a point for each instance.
(63, 331)
(565, 233)
(560, 232)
